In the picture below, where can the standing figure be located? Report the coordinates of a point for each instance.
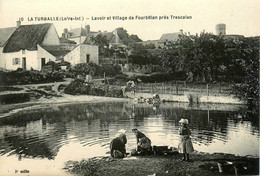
(185, 145)
(117, 145)
(143, 142)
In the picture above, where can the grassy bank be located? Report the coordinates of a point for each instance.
(201, 164)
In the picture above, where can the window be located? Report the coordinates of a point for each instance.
(43, 61)
(16, 61)
(23, 51)
(87, 58)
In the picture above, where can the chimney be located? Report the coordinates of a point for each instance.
(65, 33)
(181, 31)
(87, 27)
(18, 23)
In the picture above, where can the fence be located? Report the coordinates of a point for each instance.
(180, 88)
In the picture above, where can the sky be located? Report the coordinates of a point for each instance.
(240, 16)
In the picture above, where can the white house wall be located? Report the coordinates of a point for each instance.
(73, 57)
(51, 38)
(92, 51)
(31, 60)
(79, 54)
(2, 59)
(42, 53)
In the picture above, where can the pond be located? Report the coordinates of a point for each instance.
(41, 140)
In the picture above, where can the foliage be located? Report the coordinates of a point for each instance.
(193, 98)
(122, 33)
(78, 87)
(248, 88)
(140, 55)
(210, 58)
(14, 98)
(29, 77)
(84, 167)
(103, 45)
(94, 70)
(135, 38)
(201, 55)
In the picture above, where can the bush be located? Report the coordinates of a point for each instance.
(28, 77)
(193, 98)
(85, 167)
(94, 70)
(14, 98)
(78, 87)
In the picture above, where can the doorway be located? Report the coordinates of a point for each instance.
(87, 58)
(24, 63)
(43, 61)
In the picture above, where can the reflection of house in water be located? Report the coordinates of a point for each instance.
(36, 144)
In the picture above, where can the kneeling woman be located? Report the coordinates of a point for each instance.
(117, 145)
(143, 142)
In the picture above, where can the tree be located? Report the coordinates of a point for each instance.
(103, 44)
(199, 55)
(122, 33)
(247, 53)
(135, 38)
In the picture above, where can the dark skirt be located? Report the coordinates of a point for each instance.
(144, 143)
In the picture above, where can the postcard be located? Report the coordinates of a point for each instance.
(141, 87)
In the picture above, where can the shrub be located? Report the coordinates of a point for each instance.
(85, 167)
(193, 98)
(94, 70)
(28, 77)
(78, 87)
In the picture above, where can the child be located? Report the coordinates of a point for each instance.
(185, 146)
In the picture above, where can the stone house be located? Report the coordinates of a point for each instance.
(21, 49)
(32, 46)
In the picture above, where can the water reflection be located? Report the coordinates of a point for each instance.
(64, 132)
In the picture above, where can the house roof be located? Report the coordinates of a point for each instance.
(27, 37)
(58, 50)
(108, 35)
(67, 41)
(149, 42)
(5, 34)
(76, 32)
(170, 36)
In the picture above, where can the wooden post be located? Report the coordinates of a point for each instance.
(104, 77)
(207, 91)
(177, 88)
